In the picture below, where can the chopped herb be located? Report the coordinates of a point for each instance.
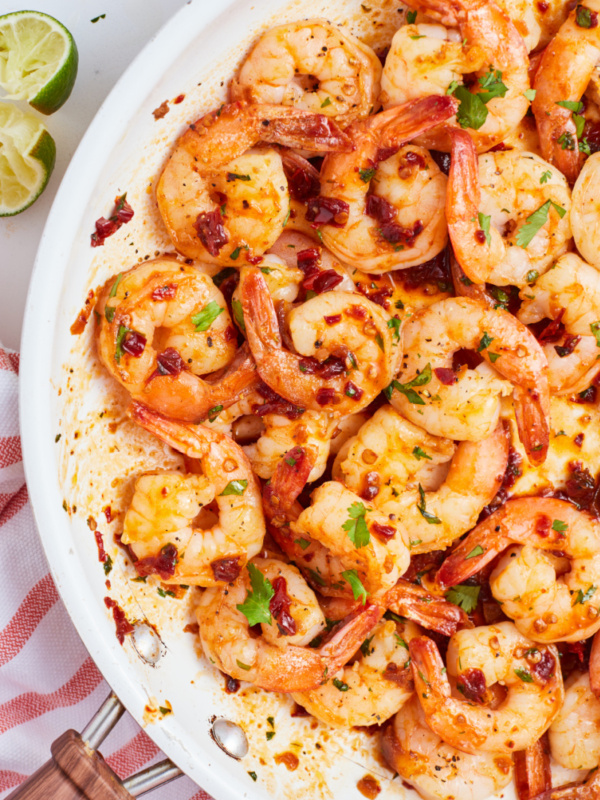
(235, 254)
(367, 175)
(139, 579)
(121, 334)
(406, 389)
(163, 593)
(414, 542)
(472, 112)
(238, 313)
(100, 16)
(358, 590)
(418, 453)
(583, 597)
(546, 176)
(492, 85)
(253, 775)
(379, 341)
(235, 487)
(484, 224)
(214, 412)
(108, 565)
(235, 176)
(530, 94)
(464, 596)
(270, 735)
(411, 16)
(493, 357)
(356, 526)
(302, 543)
(222, 275)
(394, 617)
(452, 87)
(271, 721)
(316, 577)
(365, 647)
(532, 276)
(400, 641)
(266, 270)
(326, 102)
(256, 605)
(583, 17)
(205, 318)
(524, 675)
(571, 105)
(395, 323)
(566, 141)
(485, 342)
(559, 526)
(291, 462)
(417, 36)
(536, 221)
(595, 329)
(164, 711)
(340, 685)
(57, 437)
(476, 551)
(584, 147)
(431, 518)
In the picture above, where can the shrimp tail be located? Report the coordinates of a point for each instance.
(431, 683)
(293, 127)
(533, 774)
(415, 117)
(288, 480)
(260, 317)
(430, 611)
(180, 437)
(472, 554)
(588, 790)
(532, 414)
(349, 634)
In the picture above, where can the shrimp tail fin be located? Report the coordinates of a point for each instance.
(349, 634)
(472, 554)
(428, 671)
(431, 612)
(532, 412)
(179, 436)
(288, 480)
(260, 317)
(293, 127)
(415, 117)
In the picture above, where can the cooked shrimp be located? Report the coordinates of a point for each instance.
(311, 65)
(162, 324)
(373, 687)
(589, 789)
(279, 660)
(394, 463)
(585, 210)
(382, 206)
(575, 731)
(466, 405)
(437, 770)
(164, 507)
(491, 47)
(479, 659)
(294, 247)
(564, 73)
(344, 347)
(548, 585)
(489, 205)
(219, 198)
(570, 292)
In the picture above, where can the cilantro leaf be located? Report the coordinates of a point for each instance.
(235, 487)
(559, 526)
(238, 313)
(358, 590)
(530, 94)
(583, 597)
(356, 526)
(464, 596)
(367, 175)
(492, 85)
(256, 605)
(302, 543)
(406, 389)
(431, 518)
(584, 17)
(418, 453)
(205, 318)
(524, 675)
(571, 105)
(340, 685)
(394, 323)
(485, 342)
(484, 224)
(476, 551)
(411, 17)
(536, 221)
(546, 176)
(326, 102)
(472, 112)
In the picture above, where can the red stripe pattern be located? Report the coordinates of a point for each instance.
(48, 683)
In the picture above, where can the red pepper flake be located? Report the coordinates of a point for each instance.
(122, 214)
(393, 233)
(333, 319)
(122, 624)
(325, 396)
(512, 472)
(167, 292)
(543, 6)
(587, 396)
(480, 236)
(254, 260)
(500, 148)
(327, 211)
(371, 490)
(275, 404)
(380, 209)
(79, 325)
(472, 684)
(169, 362)
(443, 160)
(543, 525)
(161, 111)
(231, 684)
(553, 331)
(578, 440)
(330, 368)
(226, 569)
(179, 99)
(356, 312)
(230, 334)
(384, 531)
(302, 183)
(414, 159)
(545, 668)
(133, 343)
(280, 608)
(568, 346)
(107, 511)
(325, 281)
(445, 376)
(384, 153)
(211, 230)
(102, 556)
(353, 391)
(163, 564)
(299, 711)
(309, 259)
(399, 675)
(434, 271)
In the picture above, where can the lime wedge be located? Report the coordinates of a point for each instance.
(27, 155)
(38, 59)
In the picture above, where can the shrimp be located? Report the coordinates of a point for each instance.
(373, 687)
(570, 293)
(381, 206)
(392, 462)
(164, 507)
(585, 211)
(295, 248)
(344, 347)
(548, 584)
(575, 731)
(434, 768)
(564, 73)
(220, 198)
(490, 46)
(589, 789)
(490, 208)
(311, 65)
(478, 659)
(279, 660)
(163, 324)
(466, 405)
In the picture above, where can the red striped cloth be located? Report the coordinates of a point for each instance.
(48, 683)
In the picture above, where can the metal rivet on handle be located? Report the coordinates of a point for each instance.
(147, 643)
(230, 737)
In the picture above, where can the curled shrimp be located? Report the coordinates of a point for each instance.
(489, 44)
(162, 325)
(466, 405)
(311, 65)
(396, 465)
(489, 203)
(570, 293)
(381, 205)
(575, 731)
(344, 347)
(280, 659)
(220, 198)
(373, 687)
(434, 768)
(585, 216)
(548, 583)
(478, 660)
(164, 507)
(564, 72)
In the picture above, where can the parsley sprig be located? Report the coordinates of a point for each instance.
(356, 526)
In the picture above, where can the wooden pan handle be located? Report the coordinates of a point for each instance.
(74, 771)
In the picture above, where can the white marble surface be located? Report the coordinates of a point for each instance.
(105, 49)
